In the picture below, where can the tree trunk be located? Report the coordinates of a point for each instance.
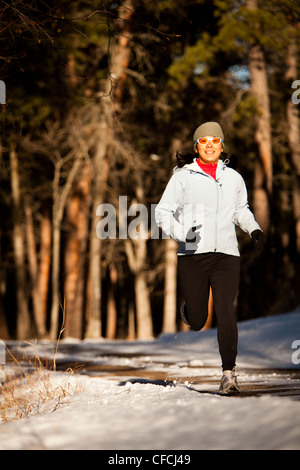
(263, 167)
(73, 322)
(111, 324)
(131, 335)
(121, 54)
(110, 103)
(56, 299)
(45, 265)
(170, 293)
(293, 122)
(84, 188)
(23, 326)
(170, 289)
(143, 307)
(33, 270)
(136, 251)
(75, 254)
(4, 334)
(100, 170)
(60, 195)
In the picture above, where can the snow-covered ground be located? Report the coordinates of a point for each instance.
(150, 395)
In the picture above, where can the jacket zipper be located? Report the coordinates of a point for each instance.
(217, 211)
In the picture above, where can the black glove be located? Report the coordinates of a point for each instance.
(258, 238)
(193, 236)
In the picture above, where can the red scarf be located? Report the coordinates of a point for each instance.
(209, 168)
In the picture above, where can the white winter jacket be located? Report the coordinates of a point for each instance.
(193, 198)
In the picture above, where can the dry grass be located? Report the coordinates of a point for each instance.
(33, 389)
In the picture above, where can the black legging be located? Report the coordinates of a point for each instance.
(197, 273)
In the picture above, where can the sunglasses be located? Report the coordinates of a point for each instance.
(213, 140)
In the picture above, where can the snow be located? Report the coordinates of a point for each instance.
(150, 395)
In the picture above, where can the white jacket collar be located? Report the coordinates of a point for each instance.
(196, 168)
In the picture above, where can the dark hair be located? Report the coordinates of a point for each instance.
(185, 158)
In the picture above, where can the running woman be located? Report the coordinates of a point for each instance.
(201, 206)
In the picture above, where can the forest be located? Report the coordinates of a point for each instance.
(99, 96)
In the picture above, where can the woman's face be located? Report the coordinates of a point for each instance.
(209, 152)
